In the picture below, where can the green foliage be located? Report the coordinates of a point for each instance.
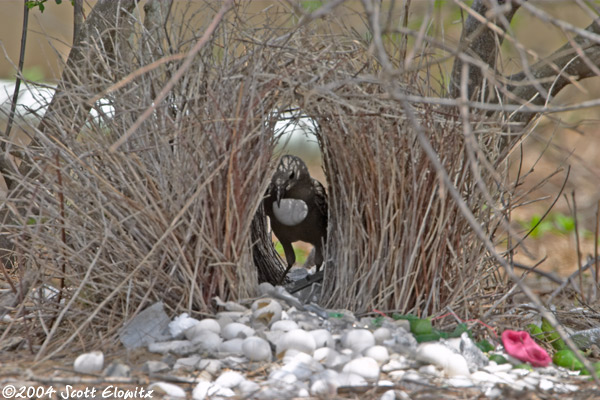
(311, 5)
(33, 74)
(556, 223)
(301, 255)
(537, 226)
(40, 4)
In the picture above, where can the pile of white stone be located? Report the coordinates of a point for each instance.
(278, 348)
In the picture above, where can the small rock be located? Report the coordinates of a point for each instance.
(473, 354)
(233, 346)
(230, 379)
(296, 339)
(205, 389)
(187, 363)
(382, 334)
(322, 337)
(438, 354)
(204, 339)
(256, 349)
(363, 366)
(388, 395)
(350, 379)
(210, 366)
(284, 325)
(266, 311)
(180, 347)
(378, 353)
(168, 389)
(301, 364)
(118, 370)
(248, 388)
(148, 326)
(236, 330)
(89, 363)
(153, 367)
(180, 324)
(358, 339)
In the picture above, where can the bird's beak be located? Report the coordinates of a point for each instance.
(279, 194)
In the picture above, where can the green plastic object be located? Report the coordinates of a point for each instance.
(550, 335)
(567, 359)
(524, 366)
(498, 359)
(420, 326)
(484, 346)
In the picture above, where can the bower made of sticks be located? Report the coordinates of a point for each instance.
(168, 215)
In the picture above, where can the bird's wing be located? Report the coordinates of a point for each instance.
(320, 196)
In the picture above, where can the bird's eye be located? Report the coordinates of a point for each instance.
(291, 174)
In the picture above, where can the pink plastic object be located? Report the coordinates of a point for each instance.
(521, 346)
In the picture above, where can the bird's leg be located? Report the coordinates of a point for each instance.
(290, 257)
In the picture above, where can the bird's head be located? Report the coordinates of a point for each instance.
(290, 171)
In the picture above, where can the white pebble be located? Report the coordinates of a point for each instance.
(377, 353)
(279, 376)
(233, 346)
(256, 349)
(296, 339)
(210, 365)
(396, 364)
(205, 339)
(168, 389)
(209, 324)
(248, 388)
(266, 311)
(363, 366)
(284, 325)
(324, 388)
(205, 389)
(322, 337)
(236, 330)
(330, 358)
(180, 324)
(460, 382)
(492, 367)
(302, 365)
(440, 355)
(350, 379)
(173, 346)
(230, 379)
(358, 339)
(89, 363)
(382, 334)
(388, 395)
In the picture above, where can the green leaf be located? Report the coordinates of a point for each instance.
(564, 223)
(311, 5)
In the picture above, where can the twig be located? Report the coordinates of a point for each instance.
(187, 63)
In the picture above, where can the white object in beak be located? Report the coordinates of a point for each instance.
(290, 212)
